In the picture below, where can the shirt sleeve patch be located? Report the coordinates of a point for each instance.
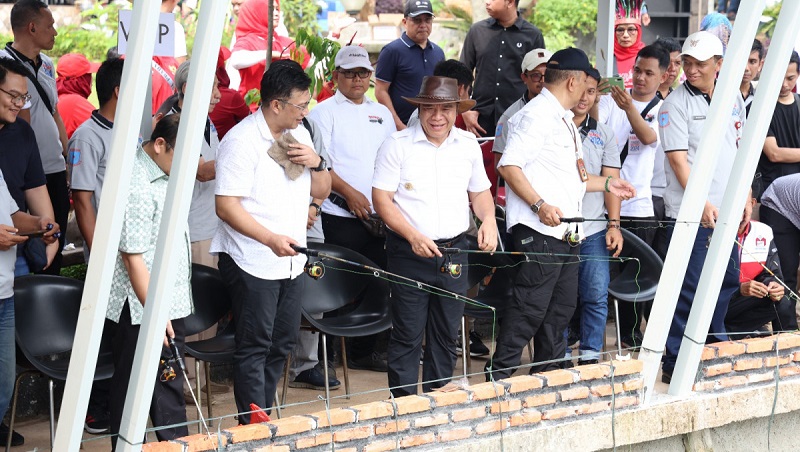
(499, 130)
(663, 119)
(74, 156)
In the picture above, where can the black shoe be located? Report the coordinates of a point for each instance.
(16, 438)
(313, 379)
(584, 362)
(476, 346)
(632, 342)
(666, 376)
(374, 362)
(96, 424)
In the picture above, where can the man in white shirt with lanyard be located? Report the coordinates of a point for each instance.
(543, 165)
(425, 178)
(632, 115)
(264, 211)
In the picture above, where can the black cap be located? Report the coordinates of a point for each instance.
(570, 59)
(416, 7)
(594, 73)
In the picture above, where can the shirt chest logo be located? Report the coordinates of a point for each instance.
(375, 119)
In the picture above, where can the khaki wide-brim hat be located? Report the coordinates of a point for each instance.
(440, 90)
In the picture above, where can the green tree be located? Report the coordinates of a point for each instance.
(563, 21)
(300, 15)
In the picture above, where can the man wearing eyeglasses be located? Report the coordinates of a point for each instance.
(405, 61)
(353, 128)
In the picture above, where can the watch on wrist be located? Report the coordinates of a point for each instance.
(316, 206)
(322, 164)
(537, 205)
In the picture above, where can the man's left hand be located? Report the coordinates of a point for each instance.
(614, 241)
(487, 236)
(303, 155)
(52, 229)
(621, 188)
(775, 291)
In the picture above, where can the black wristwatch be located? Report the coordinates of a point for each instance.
(322, 165)
(316, 206)
(537, 205)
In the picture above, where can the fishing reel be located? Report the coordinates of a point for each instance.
(573, 238)
(315, 270)
(450, 268)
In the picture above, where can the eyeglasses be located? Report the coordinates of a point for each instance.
(301, 107)
(630, 30)
(534, 76)
(18, 99)
(362, 74)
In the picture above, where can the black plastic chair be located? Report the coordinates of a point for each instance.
(636, 282)
(46, 308)
(341, 285)
(211, 304)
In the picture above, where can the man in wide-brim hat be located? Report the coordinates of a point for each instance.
(425, 178)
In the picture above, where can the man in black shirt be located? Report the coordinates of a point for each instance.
(781, 157)
(494, 48)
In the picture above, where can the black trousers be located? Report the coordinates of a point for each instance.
(59, 196)
(787, 239)
(168, 405)
(631, 314)
(747, 314)
(660, 240)
(416, 311)
(266, 314)
(351, 234)
(545, 297)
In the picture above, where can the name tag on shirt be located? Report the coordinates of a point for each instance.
(699, 118)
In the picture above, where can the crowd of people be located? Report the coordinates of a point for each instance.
(567, 143)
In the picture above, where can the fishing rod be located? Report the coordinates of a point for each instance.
(791, 294)
(627, 220)
(316, 270)
(176, 357)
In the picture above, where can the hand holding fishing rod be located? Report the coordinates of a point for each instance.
(176, 357)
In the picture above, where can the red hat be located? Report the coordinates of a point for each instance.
(75, 65)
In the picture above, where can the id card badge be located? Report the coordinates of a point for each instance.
(582, 170)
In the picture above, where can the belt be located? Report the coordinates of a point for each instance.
(339, 201)
(444, 243)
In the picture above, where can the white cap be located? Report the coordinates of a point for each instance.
(534, 58)
(351, 57)
(702, 46)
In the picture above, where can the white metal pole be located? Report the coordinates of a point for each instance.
(736, 192)
(604, 47)
(173, 225)
(133, 90)
(696, 193)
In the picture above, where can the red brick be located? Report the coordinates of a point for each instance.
(730, 382)
(540, 399)
(622, 402)
(761, 377)
(429, 421)
(633, 385)
(628, 367)
(274, 448)
(717, 369)
(522, 383)
(448, 398)
(412, 404)
(605, 390)
(558, 413)
(339, 416)
(788, 340)
(593, 371)
(455, 434)
(491, 426)
(469, 413)
(708, 353)
(596, 407)
(202, 441)
(729, 349)
(526, 417)
(292, 425)
(372, 410)
(250, 432)
(789, 371)
(352, 433)
(486, 391)
(759, 344)
(163, 446)
(580, 392)
(704, 386)
(780, 360)
(315, 440)
(748, 364)
(505, 406)
(418, 440)
(796, 356)
(558, 377)
(391, 427)
(381, 446)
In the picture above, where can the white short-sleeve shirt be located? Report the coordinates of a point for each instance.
(599, 150)
(352, 134)
(431, 184)
(542, 141)
(8, 257)
(246, 171)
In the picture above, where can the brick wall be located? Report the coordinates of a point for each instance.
(749, 361)
(440, 418)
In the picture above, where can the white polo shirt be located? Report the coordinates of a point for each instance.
(542, 140)
(8, 257)
(245, 170)
(638, 166)
(431, 184)
(352, 134)
(599, 150)
(681, 123)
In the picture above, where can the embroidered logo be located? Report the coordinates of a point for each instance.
(409, 186)
(694, 42)
(761, 241)
(74, 156)
(663, 119)
(375, 119)
(499, 130)
(594, 137)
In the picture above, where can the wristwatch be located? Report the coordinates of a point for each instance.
(316, 206)
(322, 165)
(537, 205)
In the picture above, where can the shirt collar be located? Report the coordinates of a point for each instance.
(101, 120)
(17, 54)
(341, 98)
(419, 135)
(152, 170)
(750, 92)
(558, 110)
(694, 91)
(493, 22)
(408, 42)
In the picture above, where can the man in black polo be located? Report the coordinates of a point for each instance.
(494, 48)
